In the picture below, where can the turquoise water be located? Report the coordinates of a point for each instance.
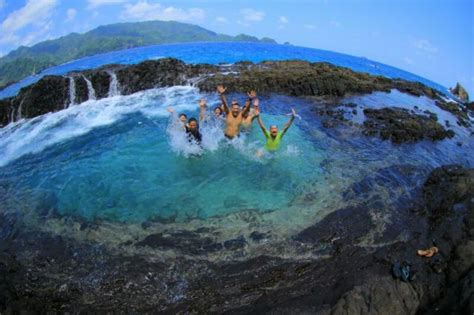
(120, 159)
(135, 168)
(215, 53)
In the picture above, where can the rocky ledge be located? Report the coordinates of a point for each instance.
(295, 78)
(345, 265)
(399, 125)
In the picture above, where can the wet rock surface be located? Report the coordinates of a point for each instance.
(342, 263)
(323, 83)
(295, 78)
(460, 112)
(399, 125)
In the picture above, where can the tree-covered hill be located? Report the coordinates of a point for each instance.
(26, 61)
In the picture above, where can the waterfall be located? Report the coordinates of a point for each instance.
(90, 89)
(114, 88)
(195, 80)
(12, 115)
(72, 92)
(18, 114)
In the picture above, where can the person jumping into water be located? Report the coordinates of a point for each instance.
(273, 136)
(235, 115)
(191, 126)
(192, 130)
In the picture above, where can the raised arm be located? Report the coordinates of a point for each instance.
(221, 89)
(260, 122)
(252, 96)
(290, 122)
(202, 109)
(174, 117)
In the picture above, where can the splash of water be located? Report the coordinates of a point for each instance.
(34, 135)
(90, 89)
(195, 80)
(114, 88)
(179, 141)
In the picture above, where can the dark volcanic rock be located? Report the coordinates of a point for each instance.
(456, 110)
(7, 111)
(447, 188)
(47, 273)
(298, 78)
(49, 94)
(151, 74)
(294, 78)
(399, 125)
(100, 81)
(470, 106)
(345, 226)
(460, 92)
(82, 94)
(187, 242)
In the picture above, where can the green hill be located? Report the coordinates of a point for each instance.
(26, 61)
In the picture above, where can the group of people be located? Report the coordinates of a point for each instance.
(235, 119)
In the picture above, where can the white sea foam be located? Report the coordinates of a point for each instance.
(34, 135)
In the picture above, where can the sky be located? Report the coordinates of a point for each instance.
(431, 38)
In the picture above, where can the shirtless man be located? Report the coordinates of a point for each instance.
(249, 118)
(234, 116)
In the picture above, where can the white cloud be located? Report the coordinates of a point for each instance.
(310, 26)
(144, 11)
(282, 22)
(408, 61)
(39, 34)
(425, 45)
(221, 19)
(71, 14)
(35, 13)
(95, 14)
(98, 3)
(2, 4)
(251, 15)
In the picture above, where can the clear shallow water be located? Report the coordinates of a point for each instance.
(215, 53)
(116, 159)
(128, 168)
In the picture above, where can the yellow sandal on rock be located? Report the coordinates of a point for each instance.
(430, 252)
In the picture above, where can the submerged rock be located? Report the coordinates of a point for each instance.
(448, 188)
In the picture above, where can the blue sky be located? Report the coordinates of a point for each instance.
(431, 38)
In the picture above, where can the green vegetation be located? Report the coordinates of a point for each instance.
(26, 61)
